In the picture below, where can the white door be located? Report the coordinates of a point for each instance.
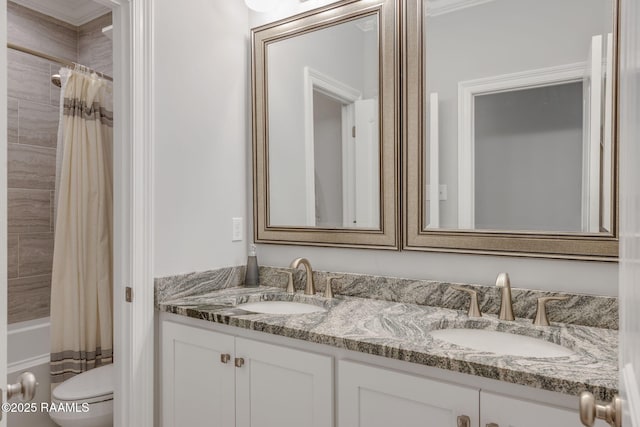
(367, 168)
(629, 277)
(3, 207)
(376, 397)
(509, 412)
(197, 377)
(592, 120)
(278, 386)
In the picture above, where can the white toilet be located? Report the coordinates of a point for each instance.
(95, 388)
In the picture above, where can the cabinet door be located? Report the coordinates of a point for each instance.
(197, 387)
(377, 397)
(510, 412)
(282, 387)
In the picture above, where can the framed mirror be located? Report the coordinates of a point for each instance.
(326, 126)
(510, 127)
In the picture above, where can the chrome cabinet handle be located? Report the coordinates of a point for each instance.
(25, 387)
(590, 411)
(474, 308)
(239, 362)
(541, 312)
(464, 421)
(224, 358)
(492, 425)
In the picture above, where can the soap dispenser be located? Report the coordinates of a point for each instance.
(251, 279)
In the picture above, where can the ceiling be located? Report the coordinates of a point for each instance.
(74, 12)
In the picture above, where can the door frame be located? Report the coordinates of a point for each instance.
(133, 209)
(3, 208)
(467, 91)
(133, 212)
(341, 92)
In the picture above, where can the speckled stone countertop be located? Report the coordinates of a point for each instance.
(400, 331)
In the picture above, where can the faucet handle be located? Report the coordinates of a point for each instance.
(328, 292)
(541, 312)
(474, 308)
(290, 288)
(506, 304)
(503, 281)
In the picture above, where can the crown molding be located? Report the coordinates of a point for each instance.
(441, 7)
(74, 12)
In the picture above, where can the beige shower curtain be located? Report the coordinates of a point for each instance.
(81, 287)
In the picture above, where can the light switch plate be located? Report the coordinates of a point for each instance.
(237, 229)
(442, 192)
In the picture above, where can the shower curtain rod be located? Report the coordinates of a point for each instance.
(54, 59)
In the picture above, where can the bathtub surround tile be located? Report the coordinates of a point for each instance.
(401, 331)
(28, 77)
(38, 124)
(36, 254)
(29, 298)
(32, 167)
(13, 123)
(94, 48)
(28, 211)
(33, 115)
(202, 283)
(41, 32)
(54, 91)
(587, 310)
(13, 246)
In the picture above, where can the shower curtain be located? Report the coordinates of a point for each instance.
(81, 284)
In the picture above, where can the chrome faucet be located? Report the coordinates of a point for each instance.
(506, 306)
(309, 289)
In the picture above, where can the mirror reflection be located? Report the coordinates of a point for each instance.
(323, 127)
(518, 103)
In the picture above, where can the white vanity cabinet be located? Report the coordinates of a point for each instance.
(282, 387)
(376, 397)
(220, 376)
(215, 379)
(511, 412)
(197, 387)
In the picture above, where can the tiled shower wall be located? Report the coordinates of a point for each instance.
(32, 132)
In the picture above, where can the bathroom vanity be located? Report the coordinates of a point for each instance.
(367, 362)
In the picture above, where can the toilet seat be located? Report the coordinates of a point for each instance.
(95, 388)
(92, 386)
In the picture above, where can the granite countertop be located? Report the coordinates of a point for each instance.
(401, 331)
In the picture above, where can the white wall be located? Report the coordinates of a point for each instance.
(573, 276)
(338, 53)
(541, 34)
(201, 131)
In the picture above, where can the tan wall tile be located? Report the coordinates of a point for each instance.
(13, 252)
(36, 254)
(31, 167)
(28, 211)
(29, 298)
(38, 124)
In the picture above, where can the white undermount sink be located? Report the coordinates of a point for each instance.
(501, 343)
(281, 307)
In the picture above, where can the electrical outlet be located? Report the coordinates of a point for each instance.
(236, 229)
